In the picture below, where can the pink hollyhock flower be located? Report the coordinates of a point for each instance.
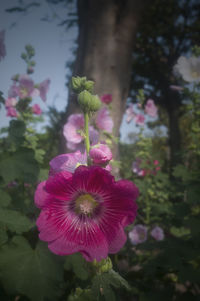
(36, 109)
(13, 91)
(43, 88)
(136, 168)
(2, 44)
(155, 162)
(85, 212)
(104, 121)
(157, 233)
(138, 234)
(11, 112)
(139, 119)
(10, 102)
(100, 154)
(150, 108)
(26, 86)
(72, 128)
(72, 132)
(130, 113)
(106, 98)
(67, 162)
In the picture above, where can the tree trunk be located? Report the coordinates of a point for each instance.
(107, 30)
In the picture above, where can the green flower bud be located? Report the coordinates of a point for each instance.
(89, 85)
(80, 84)
(95, 103)
(84, 100)
(24, 56)
(105, 265)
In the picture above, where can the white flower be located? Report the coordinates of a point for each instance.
(188, 68)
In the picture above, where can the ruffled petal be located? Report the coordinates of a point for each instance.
(115, 235)
(59, 185)
(41, 195)
(82, 236)
(93, 179)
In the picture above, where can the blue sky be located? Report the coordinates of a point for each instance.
(53, 46)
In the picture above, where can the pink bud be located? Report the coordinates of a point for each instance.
(155, 162)
(106, 98)
(100, 154)
(36, 109)
(10, 102)
(11, 112)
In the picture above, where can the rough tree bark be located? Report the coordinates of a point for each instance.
(107, 30)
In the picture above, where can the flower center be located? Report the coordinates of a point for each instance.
(85, 204)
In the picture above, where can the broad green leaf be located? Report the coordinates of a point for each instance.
(76, 263)
(20, 165)
(3, 236)
(5, 199)
(14, 221)
(35, 273)
(103, 285)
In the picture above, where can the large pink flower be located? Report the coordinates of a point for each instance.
(72, 132)
(26, 86)
(104, 121)
(72, 128)
(85, 212)
(2, 44)
(150, 108)
(67, 162)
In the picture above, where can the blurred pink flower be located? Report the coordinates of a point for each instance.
(85, 212)
(26, 86)
(72, 128)
(10, 102)
(67, 162)
(139, 119)
(11, 112)
(106, 98)
(136, 168)
(100, 154)
(72, 133)
(138, 234)
(150, 108)
(155, 162)
(13, 90)
(43, 88)
(104, 121)
(130, 113)
(157, 233)
(36, 109)
(2, 44)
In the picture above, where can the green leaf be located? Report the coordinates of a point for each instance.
(102, 285)
(3, 236)
(14, 221)
(34, 273)
(21, 165)
(5, 199)
(17, 130)
(78, 265)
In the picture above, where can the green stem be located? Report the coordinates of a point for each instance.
(87, 138)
